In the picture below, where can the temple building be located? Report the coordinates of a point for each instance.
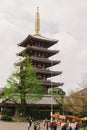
(37, 47)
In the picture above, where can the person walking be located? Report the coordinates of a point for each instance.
(77, 126)
(35, 126)
(38, 126)
(29, 124)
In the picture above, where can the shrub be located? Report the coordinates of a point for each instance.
(6, 118)
(8, 112)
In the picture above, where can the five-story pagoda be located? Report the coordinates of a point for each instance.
(37, 47)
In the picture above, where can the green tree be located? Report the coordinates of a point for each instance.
(22, 86)
(58, 91)
(58, 94)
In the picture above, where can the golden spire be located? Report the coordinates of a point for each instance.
(37, 22)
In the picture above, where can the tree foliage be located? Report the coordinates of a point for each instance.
(22, 86)
(57, 94)
(76, 103)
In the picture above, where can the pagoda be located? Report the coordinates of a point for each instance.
(37, 47)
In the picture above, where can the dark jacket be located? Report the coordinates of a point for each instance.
(64, 127)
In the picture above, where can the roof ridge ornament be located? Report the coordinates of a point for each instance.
(37, 22)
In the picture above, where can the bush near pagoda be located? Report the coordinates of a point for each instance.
(76, 103)
(23, 87)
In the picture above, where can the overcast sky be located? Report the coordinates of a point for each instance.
(64, 20)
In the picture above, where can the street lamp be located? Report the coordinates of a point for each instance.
(51, 95)
(62, 104)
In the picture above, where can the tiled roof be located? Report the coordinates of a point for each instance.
(38, 38)
(44, 38)
(47, 100)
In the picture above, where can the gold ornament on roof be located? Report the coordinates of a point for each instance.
(37, 22)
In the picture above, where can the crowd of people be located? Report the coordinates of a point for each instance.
(71, 126)
(52, 125)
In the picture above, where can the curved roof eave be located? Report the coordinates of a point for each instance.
(53, 84)
(53, 73)
(37, 37)
(44, 60)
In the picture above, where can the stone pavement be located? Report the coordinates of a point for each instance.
(17, 126)
(13, 126)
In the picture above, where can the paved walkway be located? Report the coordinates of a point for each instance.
(17, 126)
(13, 126)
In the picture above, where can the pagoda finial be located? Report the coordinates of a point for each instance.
(37, 22)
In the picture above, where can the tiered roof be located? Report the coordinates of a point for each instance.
(37, 47)
(29, 49)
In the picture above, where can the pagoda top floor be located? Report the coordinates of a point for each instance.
(37, 38)
(30, 39)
